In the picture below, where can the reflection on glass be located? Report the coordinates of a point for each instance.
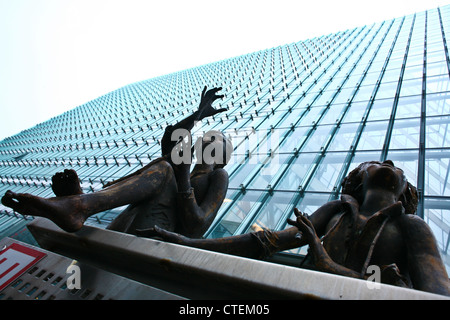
(405, 134)
(276, 207)
(236, 214)
(437, 135)
(438, 104)
(409, 107)
(437, 216)
(437, 173)
(327, 172)
(373, 135)
(344, 137)
(294, 176)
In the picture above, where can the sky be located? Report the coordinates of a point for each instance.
(58, 54)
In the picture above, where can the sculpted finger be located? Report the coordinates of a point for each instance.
(297, 212)
(220, 110)
(305, 219)
(291, 222)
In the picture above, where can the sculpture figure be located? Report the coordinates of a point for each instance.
(372, 224)
(164, 192)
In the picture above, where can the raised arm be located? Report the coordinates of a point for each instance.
(173, 134)
(205, 109)
(196, 217)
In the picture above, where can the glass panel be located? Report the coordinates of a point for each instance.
(356, 111)
(435, 56)
(438, 84)
(409, 107)
(243, 172)
(437, 135)
(333, 114)
(414, 59)
(381, 109)
(294, 140)
(236, 214)
(373, 136)
(292, 179)
(437, 167)
(411, 87)
(311, 202)
(437, 216)
(344, 95)
(344, 137)
(436, 69)
(317, 138)
(292, 117)
(387, 90)
(391, 75)
(269, 171)
(438, 104)
(413, 72)
(405, 134)
(312, 116)
(364, 93)
(273, 210)
(327, 172)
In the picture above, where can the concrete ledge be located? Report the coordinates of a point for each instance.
(201, 274)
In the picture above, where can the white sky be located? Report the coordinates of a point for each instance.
(58, 54)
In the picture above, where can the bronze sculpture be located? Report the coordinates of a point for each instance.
(160, 193)
(372, 224)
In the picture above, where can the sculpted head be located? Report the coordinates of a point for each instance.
(383, 175)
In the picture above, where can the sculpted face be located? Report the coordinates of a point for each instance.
(384, 175)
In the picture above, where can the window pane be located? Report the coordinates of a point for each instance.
(327, 172)
(405, 134)
(437, 135)
(409, 107)
(381, 109)
(274, 209)
(373, 136)
(437, 164)
(344, 137)
(297, 171)
(438, 104)
(236, 214)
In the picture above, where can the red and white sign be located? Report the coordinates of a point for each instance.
(15, 260)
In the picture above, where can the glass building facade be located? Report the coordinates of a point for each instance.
(300, 116)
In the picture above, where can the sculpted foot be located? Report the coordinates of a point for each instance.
(66, 183)
(66, 212)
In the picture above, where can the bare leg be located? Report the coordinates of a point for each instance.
(70, 212)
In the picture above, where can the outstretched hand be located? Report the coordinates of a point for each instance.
(205, 108)
(306, 229)
(303, 225)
